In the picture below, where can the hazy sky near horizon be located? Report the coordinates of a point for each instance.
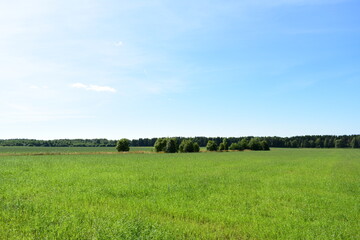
(113, 69)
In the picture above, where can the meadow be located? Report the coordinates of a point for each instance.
(277, 194)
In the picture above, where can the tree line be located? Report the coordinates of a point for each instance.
(310, 141)
(59, 142)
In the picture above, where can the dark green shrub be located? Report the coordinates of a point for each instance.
(211, 146)
(265, 145)
(170, 146)
(222, 147)
(196, 147)
(235, 146)
(160, 145)
(123, 145)
(186, 146)
(255, 144)
(226, 144)
(244, 144)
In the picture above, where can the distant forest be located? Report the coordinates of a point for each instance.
(315, 141)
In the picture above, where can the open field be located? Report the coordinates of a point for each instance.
(281, 194)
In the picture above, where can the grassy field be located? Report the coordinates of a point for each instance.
(281, 194)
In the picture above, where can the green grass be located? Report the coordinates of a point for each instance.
(20, 150)
(281, 194)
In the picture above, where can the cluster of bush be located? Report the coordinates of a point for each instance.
(170, 145)
(254, 144)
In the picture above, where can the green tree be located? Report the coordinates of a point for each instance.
(160, 145)
(305, 143)
(188, 145)
(318, 143)
(255, 144)
(294, 143)
(339, 143)
(235, 146)
(196, 147)
(326, 143)
(264, 145)
(123, 145)
(211, 146)
(354, 143)
(332, 142)
(170, 146)
(244, 143)
(226, 144)
(222, 147)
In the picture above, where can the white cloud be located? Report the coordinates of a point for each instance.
(95, 88)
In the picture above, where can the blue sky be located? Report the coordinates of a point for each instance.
(113, 69)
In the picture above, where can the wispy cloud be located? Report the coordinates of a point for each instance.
(95, 88)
